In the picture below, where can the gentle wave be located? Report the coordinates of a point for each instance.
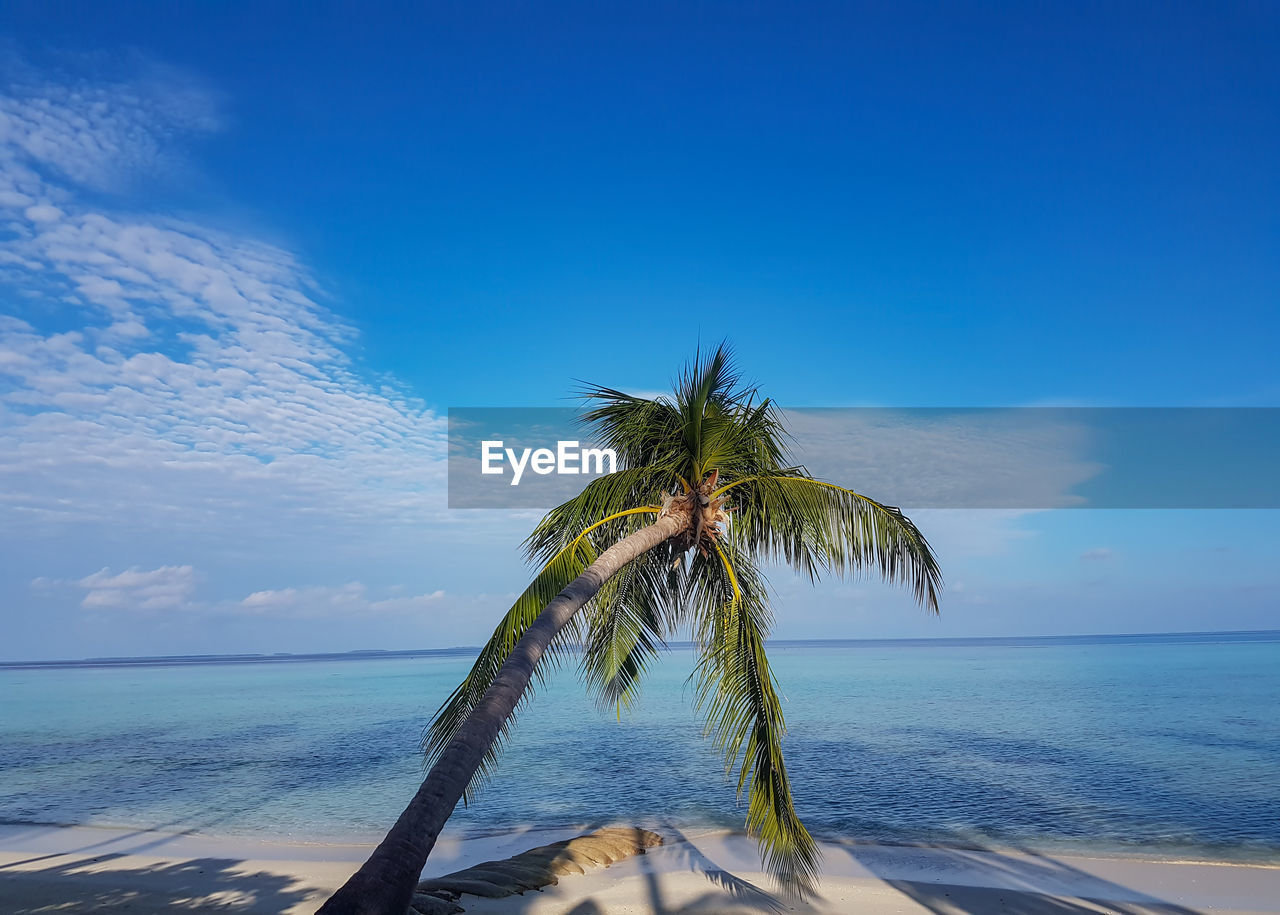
(1165, 744)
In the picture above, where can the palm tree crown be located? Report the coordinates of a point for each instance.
(713, 455)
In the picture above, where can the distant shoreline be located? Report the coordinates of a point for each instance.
(212, 659)
(1241, 635)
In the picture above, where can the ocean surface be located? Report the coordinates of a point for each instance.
(1166, 745)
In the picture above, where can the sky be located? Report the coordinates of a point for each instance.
(251, 255)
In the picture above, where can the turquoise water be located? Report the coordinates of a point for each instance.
(1165, 744)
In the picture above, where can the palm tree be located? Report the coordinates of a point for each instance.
(703, 497)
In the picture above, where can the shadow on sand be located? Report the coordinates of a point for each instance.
(1027, 882)
(84, 879)
(732, 894)
(199, 884)
(959, 881)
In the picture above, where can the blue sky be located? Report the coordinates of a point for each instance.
(250, 257)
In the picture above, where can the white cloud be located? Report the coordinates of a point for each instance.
(165, 588)
(99, 134)
(345, 600)
(43, 213)
(174, 587)
(174, 376)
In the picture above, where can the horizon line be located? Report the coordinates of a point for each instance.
(388, 653)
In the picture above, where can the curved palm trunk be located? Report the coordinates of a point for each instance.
(384, 885)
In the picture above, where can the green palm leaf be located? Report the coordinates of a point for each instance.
(454, 710)
(627, 626)
(736, 690)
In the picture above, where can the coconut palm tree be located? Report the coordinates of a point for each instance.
(677, 537)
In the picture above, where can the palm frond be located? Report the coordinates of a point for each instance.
(711, 421)
(816, 526)
(557, 573)
(736, 690)
(564, 566)
(603, 497)
(626, 626)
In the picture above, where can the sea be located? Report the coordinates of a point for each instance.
(1160, 745)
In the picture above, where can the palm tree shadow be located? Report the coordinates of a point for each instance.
(744, 894)
(197, 884)
(1033, 883)
(137, 840)
(954, 900)
(128, 841)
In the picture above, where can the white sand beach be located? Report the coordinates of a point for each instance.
(87, 869)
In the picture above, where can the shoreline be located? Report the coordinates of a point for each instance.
(475, 835)
(93, 868)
